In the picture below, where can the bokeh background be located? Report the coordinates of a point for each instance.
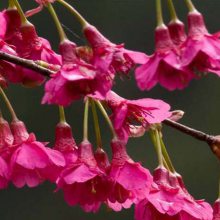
(131, 22)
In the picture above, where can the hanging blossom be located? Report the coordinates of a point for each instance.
(75, 79)
(7, 69)
(83, 182)
(169, 200)
(131, 181)
(30, 158)
(65, 143)
(35, 48)
(127, 114)
(110, 57)
(12, 22)
(28, 45)
(164, 66)
(216, 210)
(201, 50)
(177, 32)
(6, 141)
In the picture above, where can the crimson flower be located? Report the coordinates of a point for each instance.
(6, 140)
(201, 49)
(11, 22)
(164, 66)
(7, 69)
(216, 208)
(31, 159)
(4, 174)
(65, 143)
(169, 200)
(131, 182)
(75, 79)
(110, 57)
(177, 32)
(83, 182)
(129, 113)
(35, 48)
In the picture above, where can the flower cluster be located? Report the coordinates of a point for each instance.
(87, 176)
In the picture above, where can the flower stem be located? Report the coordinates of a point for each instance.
(11, 4)
(159, 13)
(104, 113)
(78, 16)
(190, 5)
(156, 142)
(62, 114)
(166, 156)
(172, 10)
(21, 13)
(60, 30)
(85, 121)
(96, 125)
(8, 104)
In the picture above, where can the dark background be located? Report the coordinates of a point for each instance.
(132, 22)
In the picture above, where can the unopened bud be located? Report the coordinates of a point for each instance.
(176, 115)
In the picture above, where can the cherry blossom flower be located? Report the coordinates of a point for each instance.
(164, 66)
(129, 113)
(169, 200)
(216, 208)
(110, 57)
(131, 182)
(31, 159)
(201, 50)
(177, 32)
(83, 182)
(65, 143)
(75, 79)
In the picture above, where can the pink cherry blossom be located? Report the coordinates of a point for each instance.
(169, 200)
(83, 182)
(65, 143)
(6, 140)
(10, 32)
(127, 113)
(75, 79)
(4, 174)
(164, 66)
(131, 182)
(35, 48)
(3, 24)
(201, 49)
(216, 209)
(109, 56)
(31, 159)
(7, 69)
(177, 32)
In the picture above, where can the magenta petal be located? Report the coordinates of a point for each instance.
(79, 174)
(31, 156)
(134, 176)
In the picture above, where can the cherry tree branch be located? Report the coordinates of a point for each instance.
(212, 141)
(30, 64)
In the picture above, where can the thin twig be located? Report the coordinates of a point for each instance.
(30, 64)
(199, 135)
(34, 65)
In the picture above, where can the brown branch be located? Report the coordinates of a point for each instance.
(212, 141)
(30, 64)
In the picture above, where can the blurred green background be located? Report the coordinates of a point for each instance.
(131, 22)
